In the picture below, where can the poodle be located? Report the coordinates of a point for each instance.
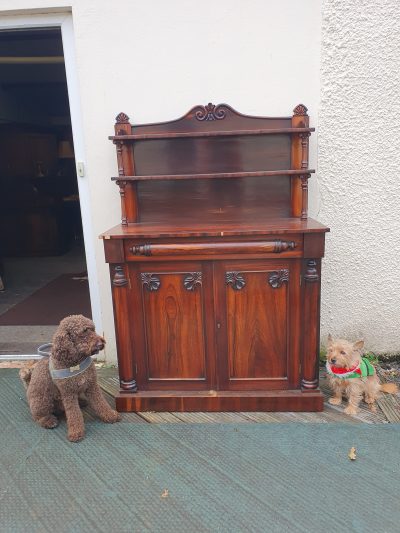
(55, 384)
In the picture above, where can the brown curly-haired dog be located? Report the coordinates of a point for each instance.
(55, 384)
(352, 375)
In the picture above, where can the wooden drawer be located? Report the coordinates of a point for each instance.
(271, 246)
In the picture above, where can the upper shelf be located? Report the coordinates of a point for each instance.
(302, 172)
(221, 133)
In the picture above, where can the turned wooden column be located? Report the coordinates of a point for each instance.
(126, 167)
(299, 161)
(311, 312)
(120, 287)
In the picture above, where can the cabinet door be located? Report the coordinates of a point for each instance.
(257, 314)
(169, 325)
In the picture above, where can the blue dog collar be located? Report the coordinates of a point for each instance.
(64, 373)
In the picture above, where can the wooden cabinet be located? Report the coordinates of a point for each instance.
(215, 268)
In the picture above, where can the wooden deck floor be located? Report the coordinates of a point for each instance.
(388, 410)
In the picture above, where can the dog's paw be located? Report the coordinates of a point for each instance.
(49, 422)
(75, 436)
(350, 410)
(112, 417)
(335, 401)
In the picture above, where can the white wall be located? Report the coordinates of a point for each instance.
(154, 60)
(359, 161)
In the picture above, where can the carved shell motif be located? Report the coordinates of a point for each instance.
(122, 118)
(192, 280)
(300, 110)
(277, 278)
(150, 281)
(235, 280)
(210, 112)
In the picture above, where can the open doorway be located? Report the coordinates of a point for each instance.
(42, 258)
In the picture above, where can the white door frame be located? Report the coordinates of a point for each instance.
(64, 21)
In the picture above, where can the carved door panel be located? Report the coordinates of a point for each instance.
(257, 324)
(169, 324)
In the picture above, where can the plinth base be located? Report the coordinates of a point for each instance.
(214, 401)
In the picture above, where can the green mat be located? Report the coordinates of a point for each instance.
(195, 477)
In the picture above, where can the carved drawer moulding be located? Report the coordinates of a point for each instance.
(273, 246)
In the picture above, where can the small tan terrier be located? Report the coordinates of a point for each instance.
(353, 375)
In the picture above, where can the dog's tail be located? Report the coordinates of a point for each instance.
(25, 374)
(389, 388)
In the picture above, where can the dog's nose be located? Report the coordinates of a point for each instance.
(100, 344)
(333, 361)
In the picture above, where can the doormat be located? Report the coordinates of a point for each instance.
(66, 295)
(207, 478)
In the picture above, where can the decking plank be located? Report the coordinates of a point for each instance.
(390, 406)
(159, 418)
(388, 411)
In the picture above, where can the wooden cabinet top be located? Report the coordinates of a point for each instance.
(267, 226)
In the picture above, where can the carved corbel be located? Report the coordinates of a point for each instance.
(311, 274)
(119, 279)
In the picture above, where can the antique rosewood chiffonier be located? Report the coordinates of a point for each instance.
(215, 267)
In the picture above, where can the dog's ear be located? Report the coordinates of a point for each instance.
(359, 345)
(63, 347)
(330, 340)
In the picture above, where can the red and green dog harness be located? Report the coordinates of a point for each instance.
(362, 370)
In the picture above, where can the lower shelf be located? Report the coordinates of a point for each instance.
(233, 401)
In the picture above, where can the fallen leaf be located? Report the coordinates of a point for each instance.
(164, 493)
(352, 454)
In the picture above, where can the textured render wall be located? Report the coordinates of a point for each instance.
(358, 170)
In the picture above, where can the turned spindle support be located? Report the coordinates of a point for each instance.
(311, 313)
(120, 288)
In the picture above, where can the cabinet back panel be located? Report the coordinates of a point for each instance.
(222, 200)
(217, 154)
